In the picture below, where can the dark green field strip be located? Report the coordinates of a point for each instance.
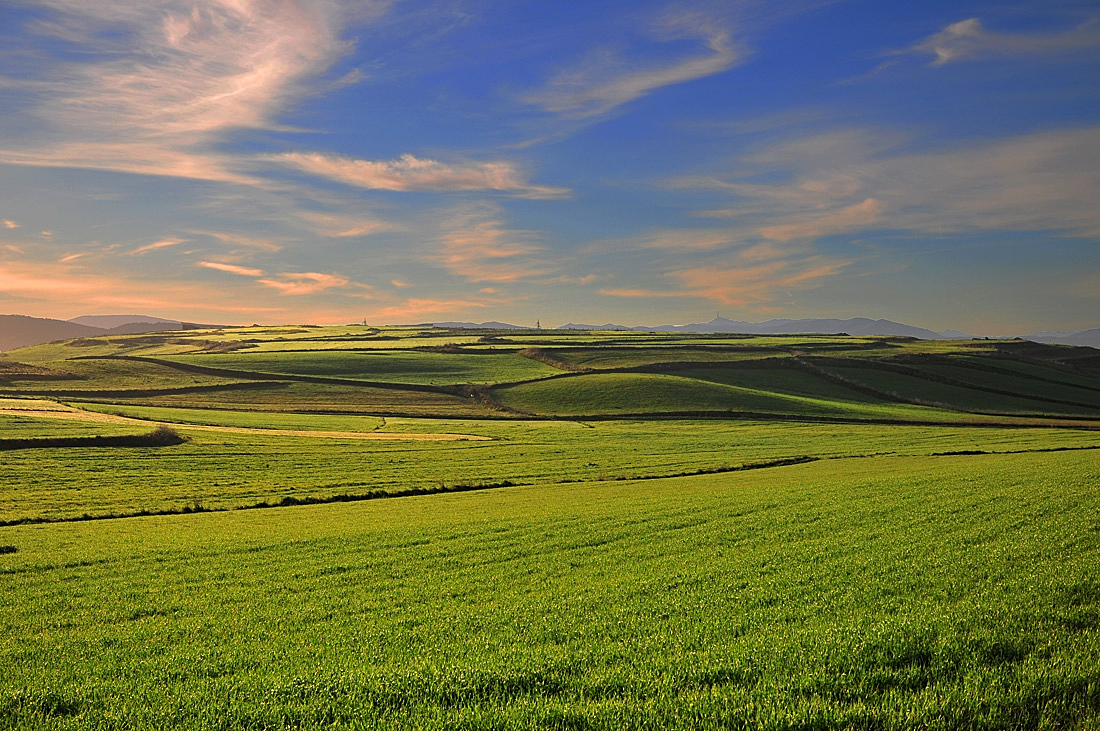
(15, 426)
(952, 593)
(237, 418)
(153, 439)
(607, 357)
(13, 371)
(311, 398)
(617, 358)
(927, 369)
(1015, 384)
(254, 375)
(922, 389)
(134, 393)
(421, 367)
(117, 373)
(1033, 371)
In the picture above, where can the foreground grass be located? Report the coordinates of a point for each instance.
(947, 592)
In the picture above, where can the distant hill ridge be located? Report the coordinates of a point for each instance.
(21, 331)
(853, 326)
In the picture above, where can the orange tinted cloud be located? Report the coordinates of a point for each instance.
(162, 244)
(232, 269)
(742, 285)
(300, 283)
(413, 310)
(851, 217)
(477, 246)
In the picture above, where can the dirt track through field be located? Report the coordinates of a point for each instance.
(58, 411)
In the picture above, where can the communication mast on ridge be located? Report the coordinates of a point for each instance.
(538, 324)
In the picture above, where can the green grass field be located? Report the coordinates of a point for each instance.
(950, 592)
(418, 528)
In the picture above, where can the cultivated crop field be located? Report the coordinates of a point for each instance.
(359, 527)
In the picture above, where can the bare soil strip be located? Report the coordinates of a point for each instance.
(61, 412)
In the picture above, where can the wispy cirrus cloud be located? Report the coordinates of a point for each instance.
(732, 267)
(162, 244)
(414, 309)
(814, 226)
(8, 223)
(246, 241)
(741, 283)
(300, 283)
(290, 283)
(476, 245)
(345, 226)
(1048, 181)
(232, 269)
(168, 81)
(604, 82)
(683, 240)
(410, 173)
(969, 40)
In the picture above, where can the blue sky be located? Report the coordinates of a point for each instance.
(233, 161)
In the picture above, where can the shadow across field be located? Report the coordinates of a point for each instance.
(162, 436)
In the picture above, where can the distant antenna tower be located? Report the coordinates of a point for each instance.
(538, 324)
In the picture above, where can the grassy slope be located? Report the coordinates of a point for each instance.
(1019, 384)
(957, 592)
(643, 393)
(779, 380)
(932, 392)
(112, 375)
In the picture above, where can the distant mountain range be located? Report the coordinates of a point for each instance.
(20, 331)
(853, 326)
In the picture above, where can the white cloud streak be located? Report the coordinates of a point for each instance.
(1042, 182)
(175, 79)
(410, 173)
(601, 85)
(970, 40)
(1047, 181)
(232, 269)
